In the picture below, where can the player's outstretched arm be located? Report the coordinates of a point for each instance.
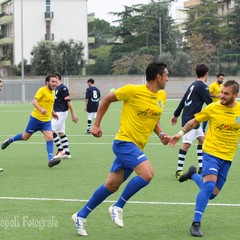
(186, 128)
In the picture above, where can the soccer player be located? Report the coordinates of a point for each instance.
(40, 119)
(196, 95)
(1, 86)
(61, 106)
(92, 98)
(215, 92)
(141, 111)
(219, 148)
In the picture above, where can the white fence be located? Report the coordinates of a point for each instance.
(16, 91)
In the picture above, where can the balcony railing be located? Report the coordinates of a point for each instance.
(49, 37)
(91, 40)
(5, 18)
(5, 40)
(49, 15)
(5, 63)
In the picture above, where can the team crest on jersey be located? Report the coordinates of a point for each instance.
(160, 104)
(238, 120)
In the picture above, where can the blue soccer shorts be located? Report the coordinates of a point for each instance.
(35, 125)
(128, 156)
(216, 166)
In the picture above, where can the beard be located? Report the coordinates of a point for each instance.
(226, 102)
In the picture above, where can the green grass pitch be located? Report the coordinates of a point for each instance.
(37, 202)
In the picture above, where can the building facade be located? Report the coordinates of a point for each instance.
(24, 23)
(225, 6)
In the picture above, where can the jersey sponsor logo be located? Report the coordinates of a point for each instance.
(238, 120)
(149, 113)
(229, 112)
(226, 127)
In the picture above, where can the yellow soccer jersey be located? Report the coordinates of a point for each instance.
(224, 129)
(140, 113)
(215, 89)
(45, 98)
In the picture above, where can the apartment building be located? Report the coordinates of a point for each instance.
(24, 23)
(225, 6)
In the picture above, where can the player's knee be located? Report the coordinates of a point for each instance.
(112, 187)
(148, 176)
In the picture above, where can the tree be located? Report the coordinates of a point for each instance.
(139, 27)
(181, 65)
(44, 58)
(64, 57)
(103, 63)
(71, 57)
(231, 51)
(202, 52)
(204, 33)
(132, 64)
(203, 20)
(17, 69)
(102, 31)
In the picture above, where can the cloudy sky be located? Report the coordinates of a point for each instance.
(101, 8)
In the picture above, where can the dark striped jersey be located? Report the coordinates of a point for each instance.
(93, 95)
(196, 95)
(61, 98)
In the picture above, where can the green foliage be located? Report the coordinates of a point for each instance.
(101, 31)
(43, 61)
(219, 36)
(103, 63)
(204, 21)
(181, 65)
(139, 27)
(132, 64)
(233, 33)
(71, 55)
(63, 57)
(201, 52)
(17, 70)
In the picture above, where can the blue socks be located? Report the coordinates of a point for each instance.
(134, 185)
(17, 137)
(197, 178)
(49, 145)
(98, 197)
(202, 199)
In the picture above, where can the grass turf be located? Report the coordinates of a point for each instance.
(37, 202)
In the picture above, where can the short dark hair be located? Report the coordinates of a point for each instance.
(58, 75)
(153, 69)
(47, 79)
(232, 83)
(91, 80)
(201, 70)
(220, 74)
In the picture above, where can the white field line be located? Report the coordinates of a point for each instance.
(131, 202)
(88, 143)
